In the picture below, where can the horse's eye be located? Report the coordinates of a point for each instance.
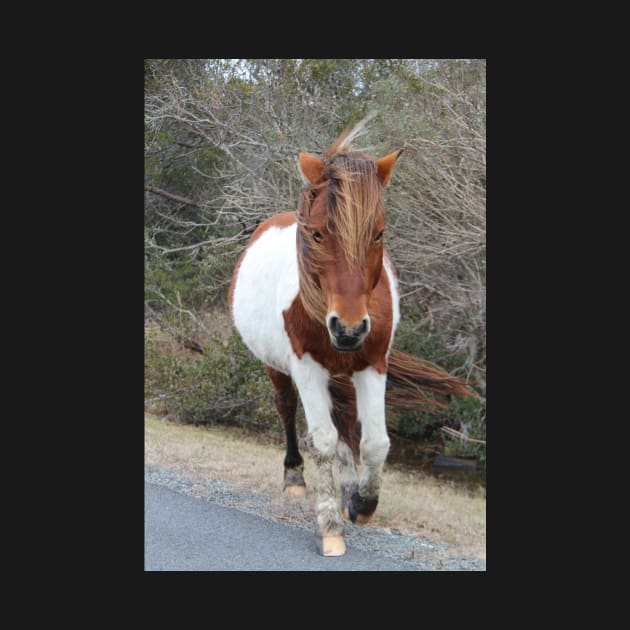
(379, 237)
(317, 236)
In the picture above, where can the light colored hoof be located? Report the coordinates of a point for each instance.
(296, 491)
(331, 545)
(346, 512)
(362, 519)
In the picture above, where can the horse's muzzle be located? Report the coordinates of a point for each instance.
(346, 338)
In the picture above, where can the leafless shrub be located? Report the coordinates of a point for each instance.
(256, 115)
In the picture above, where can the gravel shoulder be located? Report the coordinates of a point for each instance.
(444, 515)
(389, 549)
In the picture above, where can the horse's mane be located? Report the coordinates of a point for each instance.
(354, 202)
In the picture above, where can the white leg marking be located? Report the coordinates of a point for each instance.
(348, 478)
(370, 390)
(312, 383)
(347, 468)
(311, 380)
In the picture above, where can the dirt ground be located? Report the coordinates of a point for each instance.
(410, 501)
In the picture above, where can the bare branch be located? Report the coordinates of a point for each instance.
(172, 197)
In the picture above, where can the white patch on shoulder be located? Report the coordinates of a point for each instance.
(266, 284)
(393, 287)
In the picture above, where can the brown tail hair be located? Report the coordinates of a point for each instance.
(408, 378)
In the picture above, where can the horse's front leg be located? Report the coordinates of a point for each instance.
(370, 392)
(311, 380)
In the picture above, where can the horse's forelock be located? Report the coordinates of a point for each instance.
(354, 203)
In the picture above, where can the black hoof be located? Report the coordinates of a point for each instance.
(293, 477)
(361, 506)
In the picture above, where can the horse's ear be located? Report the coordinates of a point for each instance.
(385, 166)
(312, 168)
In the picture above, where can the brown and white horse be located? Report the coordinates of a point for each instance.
(315, 297)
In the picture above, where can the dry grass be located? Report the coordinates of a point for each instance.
(411, 502)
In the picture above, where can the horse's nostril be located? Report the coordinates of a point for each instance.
(333, 324)
(364, 325)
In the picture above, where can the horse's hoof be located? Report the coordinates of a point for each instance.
(330, 545)
(296, 491)
(361, 509)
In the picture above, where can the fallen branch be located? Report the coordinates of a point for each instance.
(460, 435)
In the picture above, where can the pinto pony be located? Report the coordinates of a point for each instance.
(315, 297)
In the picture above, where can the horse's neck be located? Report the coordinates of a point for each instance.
(302, 330)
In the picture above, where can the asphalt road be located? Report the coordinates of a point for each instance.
(183, 533)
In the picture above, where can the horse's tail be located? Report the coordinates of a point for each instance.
(408, 378)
